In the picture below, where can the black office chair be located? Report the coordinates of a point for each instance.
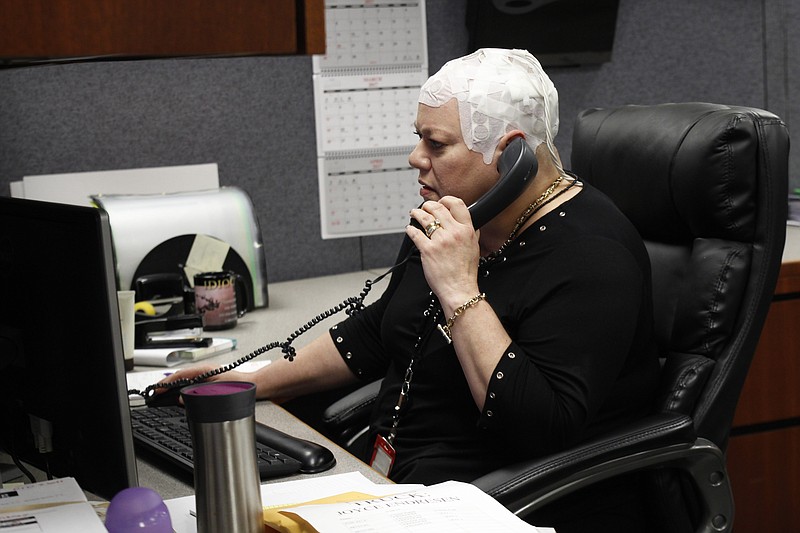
(706, 185)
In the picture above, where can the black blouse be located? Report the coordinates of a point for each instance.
(573, 292)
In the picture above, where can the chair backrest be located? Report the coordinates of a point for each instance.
(706, 186)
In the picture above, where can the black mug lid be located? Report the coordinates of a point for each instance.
(219, 401)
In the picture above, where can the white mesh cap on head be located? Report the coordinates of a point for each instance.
(497, 91)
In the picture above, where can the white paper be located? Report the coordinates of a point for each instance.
(207, 255)
(17, 189)
(303, 490)
(55, 491)
(176, 356)
(70, 518)
(78, 187)
(48, 506)
(448, 506)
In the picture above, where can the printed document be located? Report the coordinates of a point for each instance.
(48, 506)
(448, 506)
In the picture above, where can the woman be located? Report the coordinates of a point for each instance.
(510, 342)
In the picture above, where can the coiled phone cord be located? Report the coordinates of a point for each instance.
(351, 306)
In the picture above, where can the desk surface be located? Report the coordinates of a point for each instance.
(789, 279)
(791, 252)
(291, 304)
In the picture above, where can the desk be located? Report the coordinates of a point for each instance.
(764, 451)
(292, 304)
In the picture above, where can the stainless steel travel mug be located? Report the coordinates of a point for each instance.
(221, 418)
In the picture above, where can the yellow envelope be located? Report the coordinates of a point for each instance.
(276, 520)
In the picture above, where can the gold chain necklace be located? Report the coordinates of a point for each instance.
(526, 214)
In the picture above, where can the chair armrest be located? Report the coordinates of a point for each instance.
(348, 417)
(526, 486)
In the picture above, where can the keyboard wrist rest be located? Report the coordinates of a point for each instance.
(313, 457)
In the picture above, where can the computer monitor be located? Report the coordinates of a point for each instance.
(560, 33)
(61, 360)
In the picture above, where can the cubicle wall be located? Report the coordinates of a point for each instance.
(254, 116)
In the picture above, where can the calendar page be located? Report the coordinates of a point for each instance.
(373, 33)
(367, 194)
(365, 97)
(372, 110)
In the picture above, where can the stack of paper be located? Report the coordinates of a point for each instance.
(57, 505)
(175, 356)
(379, 508)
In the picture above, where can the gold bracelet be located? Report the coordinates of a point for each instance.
(445, 328)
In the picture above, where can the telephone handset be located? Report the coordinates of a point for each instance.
(517, 166)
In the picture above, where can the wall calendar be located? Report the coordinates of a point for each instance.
(365, 97)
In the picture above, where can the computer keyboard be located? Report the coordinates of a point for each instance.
(165, 432)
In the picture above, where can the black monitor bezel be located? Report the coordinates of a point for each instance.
(58, 263)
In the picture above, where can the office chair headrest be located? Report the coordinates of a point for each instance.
(670, 153)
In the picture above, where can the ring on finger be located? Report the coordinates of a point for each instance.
(433, 226)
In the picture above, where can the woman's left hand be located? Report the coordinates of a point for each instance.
(449, 249)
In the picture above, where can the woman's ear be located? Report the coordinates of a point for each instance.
(511, 135)
(506, 139)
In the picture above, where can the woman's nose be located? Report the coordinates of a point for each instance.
(418, 159)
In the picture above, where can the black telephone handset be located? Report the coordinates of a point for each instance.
(517, 166)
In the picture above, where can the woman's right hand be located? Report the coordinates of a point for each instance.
(197, 370)
(171, 395)
(193, 372)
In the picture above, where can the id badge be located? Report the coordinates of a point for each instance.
(383, 455)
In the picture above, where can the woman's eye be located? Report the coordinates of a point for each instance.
(433, 144)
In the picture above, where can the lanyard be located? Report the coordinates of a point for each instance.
(432, 312)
